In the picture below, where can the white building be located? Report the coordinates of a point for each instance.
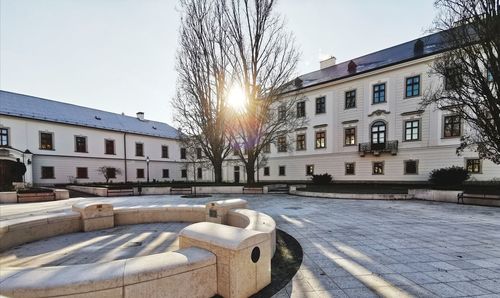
(365, 122)
(63, 143)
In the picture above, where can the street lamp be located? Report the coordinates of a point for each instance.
(147, 167)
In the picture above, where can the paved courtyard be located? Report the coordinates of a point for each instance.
(355, 248)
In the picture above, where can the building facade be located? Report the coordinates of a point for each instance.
(365, 122)
(64, 143)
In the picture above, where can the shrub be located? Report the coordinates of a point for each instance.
(449, 176)
(322, 178)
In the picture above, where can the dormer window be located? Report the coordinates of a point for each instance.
(418, 48)
(351, 67)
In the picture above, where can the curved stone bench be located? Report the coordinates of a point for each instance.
(254, 220)
(189, 272)
(175, 273)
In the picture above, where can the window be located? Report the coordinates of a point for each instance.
(47, 172)
(199, 154)
(350, 136)
(4, 137)
(301, 109)
(350, 99)
(46, 142)
(183, 153)
(282, 171)
(80, 144)
(282, 112)
(413, 86)
(379, 93)
(452, 126)
(199, 173)
(139, 149)
(111, 173)
(489, 75)
(109, 147)
(301, 142)
(282, 144)
(412, 130)
(267, 148)
(266, 171)
(411, 167)
(309, 170)
(165, 173)
(164, 151)
(473, 165)
(184, 173)
(378, 133)
(82, 173)
(452, 79)
(350, 168)
(320, 139)
(378, 168)
(320, 105)
(140, 173)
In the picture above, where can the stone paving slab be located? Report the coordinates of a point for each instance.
(359, 248)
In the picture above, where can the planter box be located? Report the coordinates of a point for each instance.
(434, 195)
(35, 197)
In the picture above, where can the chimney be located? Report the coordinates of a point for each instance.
(327, 62)
(140, 116)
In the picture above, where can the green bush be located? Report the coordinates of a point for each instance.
(322, 178)
(449, 176)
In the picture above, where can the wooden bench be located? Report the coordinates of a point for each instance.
(180, 191)
(484, 197)
(120, 192)
(35, 197)
(253, 190)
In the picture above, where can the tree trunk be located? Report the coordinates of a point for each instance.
(217, 165)
(250, 168)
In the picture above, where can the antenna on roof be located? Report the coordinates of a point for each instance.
(351, 67)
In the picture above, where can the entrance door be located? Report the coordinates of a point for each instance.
(236, 174)
(6, 171)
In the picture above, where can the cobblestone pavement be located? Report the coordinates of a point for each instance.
(360, 248)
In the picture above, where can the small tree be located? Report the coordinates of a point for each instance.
(109, 172)
(322, 179)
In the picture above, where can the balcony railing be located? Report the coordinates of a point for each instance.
(376, 149)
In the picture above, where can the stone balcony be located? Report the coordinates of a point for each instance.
(377, 149)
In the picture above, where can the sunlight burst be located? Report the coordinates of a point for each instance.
(237, 99)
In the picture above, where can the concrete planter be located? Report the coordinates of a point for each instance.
(35, 197)
(8, 197)
(98, 191)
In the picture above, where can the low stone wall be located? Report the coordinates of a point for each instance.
(189, 272)
(294, 191)
(160, 190)
(8, 197)
(434, 195)
(98, 191)
(217, 189)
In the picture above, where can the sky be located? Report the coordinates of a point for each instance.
(119, 55)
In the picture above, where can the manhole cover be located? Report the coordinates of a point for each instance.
(133, 244)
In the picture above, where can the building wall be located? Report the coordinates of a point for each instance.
(25, 134)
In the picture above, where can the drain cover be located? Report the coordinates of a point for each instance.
(133, 244)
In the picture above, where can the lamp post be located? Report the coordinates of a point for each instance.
(147, 167)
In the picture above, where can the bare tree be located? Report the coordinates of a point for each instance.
(204, 74)
(471, 69)
(263, 57)
(109, 172)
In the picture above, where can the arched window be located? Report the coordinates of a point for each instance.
(378, 133)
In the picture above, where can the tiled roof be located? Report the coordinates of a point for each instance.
(432, 44)
(14, 104)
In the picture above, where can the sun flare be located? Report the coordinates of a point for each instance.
(237, 99)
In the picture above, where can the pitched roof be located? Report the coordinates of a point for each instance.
(432, 44)
(14, 104)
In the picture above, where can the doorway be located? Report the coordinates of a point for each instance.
(236, 174)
